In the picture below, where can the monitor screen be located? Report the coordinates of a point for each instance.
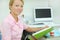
(43, 14)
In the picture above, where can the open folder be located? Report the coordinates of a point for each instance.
(41, 33)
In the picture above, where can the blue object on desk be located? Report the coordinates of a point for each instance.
(48, 35)
(56, 32)
(0, 36)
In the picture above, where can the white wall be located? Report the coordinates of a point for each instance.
(4, 10)
(55, 4)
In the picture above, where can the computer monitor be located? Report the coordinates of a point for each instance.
(43, 14)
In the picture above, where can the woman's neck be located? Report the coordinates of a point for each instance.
(15, 16)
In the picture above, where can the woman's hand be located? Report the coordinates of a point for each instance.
(46, 26)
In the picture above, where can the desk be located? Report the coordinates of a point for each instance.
(42, 33)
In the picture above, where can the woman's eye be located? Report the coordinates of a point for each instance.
(21, 6)
(17, 5)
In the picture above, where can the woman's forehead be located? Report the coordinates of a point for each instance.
(17, 2)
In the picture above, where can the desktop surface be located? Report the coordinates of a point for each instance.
(42, 24)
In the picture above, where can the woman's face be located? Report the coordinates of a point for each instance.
(17, 7)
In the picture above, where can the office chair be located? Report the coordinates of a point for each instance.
(25, 35)
(0, 36)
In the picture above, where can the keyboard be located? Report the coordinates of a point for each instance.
(37, 24)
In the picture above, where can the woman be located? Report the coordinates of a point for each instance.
(12, 27)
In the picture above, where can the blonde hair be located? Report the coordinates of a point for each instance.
(12, 1)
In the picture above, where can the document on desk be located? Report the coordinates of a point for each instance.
(42, 32)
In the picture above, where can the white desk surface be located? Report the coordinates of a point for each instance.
(50, 25)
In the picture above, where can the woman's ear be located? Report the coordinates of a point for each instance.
(10, 7)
